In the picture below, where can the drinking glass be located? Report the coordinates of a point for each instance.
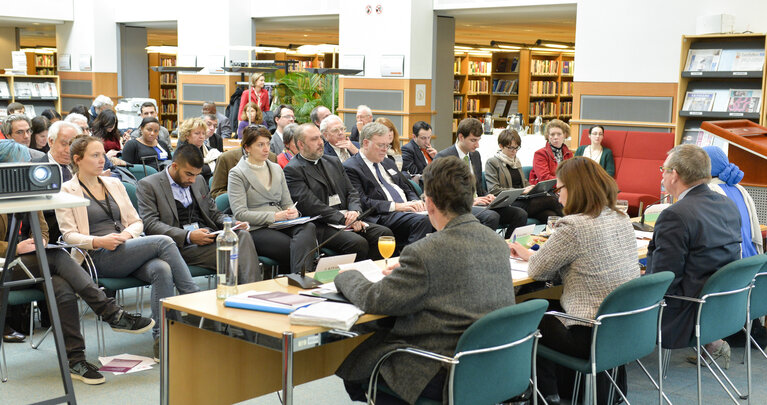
(386, 246)
(550, 221)
(622, 205)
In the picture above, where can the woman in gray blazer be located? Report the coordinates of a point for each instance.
(504, 171)
(258, 194)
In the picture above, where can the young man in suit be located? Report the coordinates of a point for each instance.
(282, 118)
(337, 144)
(382, 187)
(465, 148)
(693, 238)
(176, 202)
(319, 186)
(427, 310)
(418, 153)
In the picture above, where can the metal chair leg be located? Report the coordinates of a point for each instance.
(576, 388)
(3, 365)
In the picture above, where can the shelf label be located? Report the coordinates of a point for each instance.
(736, 114)
(696, 112)
(739, 73)
(696, 73)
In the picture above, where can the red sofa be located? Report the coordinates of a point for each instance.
(638, 156)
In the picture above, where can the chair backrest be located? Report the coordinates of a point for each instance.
(494, 376)
(759, 294)
(629, 320)
(723, 315)
(526, 171)
(138, 171)
(210, 183)
(222, 202)
(416, 187)
(131, 190)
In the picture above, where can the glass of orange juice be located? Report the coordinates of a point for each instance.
(386, 246)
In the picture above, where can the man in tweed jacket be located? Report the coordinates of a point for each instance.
(442, 284)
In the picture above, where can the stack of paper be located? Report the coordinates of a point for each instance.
(518, 268)
(125, 363)
(292, 222)
(332, 315)
(270, 301)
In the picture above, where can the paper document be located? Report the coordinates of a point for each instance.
(328, 267)
(243, 225)
(518, 268)
(368, 268)
(292, 222)
(328, 314)
(145, 363)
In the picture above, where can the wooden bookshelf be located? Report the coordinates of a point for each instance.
(41, 64)
(719, 81)
(550, 86)
(472, 86)
(509, 69)
(39, 91)
(163, 87)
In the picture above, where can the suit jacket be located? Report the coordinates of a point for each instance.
(36, 154)
(252, 202)
(498, 175)
(224, 126)
(413, 161)
(158, 207)
(216, 141)
(693, 238)
(309, 187)
(224, 163)
(66, 172)
(276, 145)
(329, 151)
(476, 166)
(73, 222)
(355, 134)
(430, 309)
(370, 191)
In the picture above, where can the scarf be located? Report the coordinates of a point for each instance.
(557, 153)
(721, 167)
(514, 164)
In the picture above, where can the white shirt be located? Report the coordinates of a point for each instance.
(386, 177)
(589, 154)
(342, 154)
(461, 156)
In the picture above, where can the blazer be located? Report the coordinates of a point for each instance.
(312, 190)
(216, 141)
(413, 161)
(498, 175)
(544, 164)
(354, 136)
(476, 165)
(371, 192)
(606, 160)
(158, 207)
(329, 151)
(693, 238)
(224, 126)
(276, 145)
(433, 297)
(73, 222)
(252, 202)
(224, 163)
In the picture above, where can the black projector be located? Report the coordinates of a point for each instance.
(29, 179)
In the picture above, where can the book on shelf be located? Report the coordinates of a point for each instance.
(514, 65)
(566, 108)
(567, 67)
(748, 61)
(544, 67)
(501, 66)
(566, 89)
(505, 87)
(457, 66)
(543, 88)
(5, 92)
(698, 101)
(479, 67)
(457, 85)
(705, 60)
(478, 86)
(500, 108)
(22, 89)
(744, 100)
(513, 107)
(457, 103)
(547, 108)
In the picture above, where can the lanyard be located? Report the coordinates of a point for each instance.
(108, 207)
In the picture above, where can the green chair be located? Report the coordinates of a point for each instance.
(140, 171)
(526, 171)
(416, 187)
(210, 183)
(758, 303)
(197, 271)
(494, 359)
(222, 202)
(626, 328)
(722, 310)
(131, 190)
(271, 263)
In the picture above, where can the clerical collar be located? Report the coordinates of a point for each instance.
(309, 160)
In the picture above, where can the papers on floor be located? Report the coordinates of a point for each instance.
(131, 363)
(292, 222)
(270, 301)
(334, 315)
(518, 268)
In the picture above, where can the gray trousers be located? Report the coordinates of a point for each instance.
(248, 267)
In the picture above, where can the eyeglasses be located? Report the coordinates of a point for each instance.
(382, 146)
(514, 148)
(23, 132)
(557, 190)
(338, 130)
(290, 117)
(663, 169)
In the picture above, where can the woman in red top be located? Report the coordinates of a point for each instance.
(105, 127)
(546, 159)
(255, 94)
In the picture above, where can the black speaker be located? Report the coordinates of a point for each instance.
(29, 179)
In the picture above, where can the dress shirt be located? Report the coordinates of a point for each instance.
(386, 177)
(684, 193)
(182, 195)
(462, 156)
(343, 154)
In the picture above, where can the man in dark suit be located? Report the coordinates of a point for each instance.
(382, 187)
(337, 144)
(418, 153)
(319, 186)
(465, 148)
(223, 125)
(214, 140)
(176, 202)
(364, 116)
(693, 238)
(420, 293)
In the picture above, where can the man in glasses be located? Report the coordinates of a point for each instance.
(282, 118)
(336, 142)
(364, 116)
(18, 127)
(418, 153)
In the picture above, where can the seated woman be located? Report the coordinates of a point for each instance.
(576, 253)
(147, 148)
(194, 131)
(39, 140)
(251, 115)
(291, 149)
(109, 228)
(395, 151)
(725, 179)
(596, 152)
(504, 171)
(105, 127)
(546, 159)
(258, 194)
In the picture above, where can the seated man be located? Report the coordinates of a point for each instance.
(428, 310)
(176, 202)
(318, 114)
(364, 116)
(465, 148)
(693, 238)
(18, 127)
(223, 125)
(382, 187)
(213, 140)
(318, 185)
(224, 163)
(337, 144)
(418, 153)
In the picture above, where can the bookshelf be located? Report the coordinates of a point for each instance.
(472, 86)
(41, 64)
(550, 86)
(36, 92)
(163, 87)
(712, 76)
(508, 86)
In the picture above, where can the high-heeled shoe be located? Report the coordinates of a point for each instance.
(724, 351)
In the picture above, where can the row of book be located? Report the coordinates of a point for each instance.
(732, 100)
(544, 67)
(478, 86)
(167, 62)
(457, 66)
(44, 61)
(501, 66)
(23, 89)
(457, 85)
(568, 66)
(543, 108)
(479, 67)
(543, 88)
(566, 89)
(457, 103)
(167, 93)
(566, 108)
(46, 71)
(472, 105)
(728, 60)
(170, 125)
(167, 78)
(169, 108)
(505, 87)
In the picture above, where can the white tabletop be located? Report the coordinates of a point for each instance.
(41, 203)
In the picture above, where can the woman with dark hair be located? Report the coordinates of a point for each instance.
(51, 114)
(105, 127)
(593, 251)
(547, 158)
(82, 110)
(596, 152)
(39, 140)
(251, 115)
(156, 153)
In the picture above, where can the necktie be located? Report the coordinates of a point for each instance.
(426, 155)
(394, 194)
(466, 159)
(66, 173)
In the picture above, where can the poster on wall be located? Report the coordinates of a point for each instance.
(392, 65)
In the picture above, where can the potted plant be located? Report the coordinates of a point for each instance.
(304, 91)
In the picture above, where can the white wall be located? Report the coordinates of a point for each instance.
(473, 4)
(38, 9)
(291, 8)
(150, 10)
(630, 41)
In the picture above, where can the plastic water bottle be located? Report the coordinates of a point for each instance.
(226, 261)
(538, 125)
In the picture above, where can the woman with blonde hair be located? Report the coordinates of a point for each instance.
(194, 131)
(546, 159)
(251, 115)
(394, 147)
(256, 93)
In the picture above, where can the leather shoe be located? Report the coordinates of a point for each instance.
(12, 336)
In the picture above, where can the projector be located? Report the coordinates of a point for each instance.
(29, 179)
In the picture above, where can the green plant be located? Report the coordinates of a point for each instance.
(304, 91)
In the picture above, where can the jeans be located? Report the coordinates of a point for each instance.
(154, 259)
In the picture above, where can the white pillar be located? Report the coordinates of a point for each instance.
(92, 33)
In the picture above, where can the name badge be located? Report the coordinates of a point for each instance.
(334, 200)
(192, 227)
(392, 172)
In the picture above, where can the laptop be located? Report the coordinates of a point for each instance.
(540, 189)
(506, 198)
